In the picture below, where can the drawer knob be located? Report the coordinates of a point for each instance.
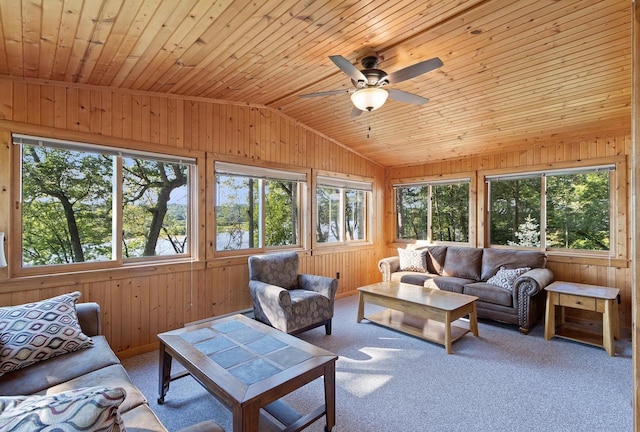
(578, 302)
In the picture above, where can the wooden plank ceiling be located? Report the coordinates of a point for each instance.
(516, 72)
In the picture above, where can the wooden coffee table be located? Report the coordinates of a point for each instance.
(422, 312)
(249, 366)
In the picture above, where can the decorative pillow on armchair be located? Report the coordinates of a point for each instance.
(505, 278)
(84, 409)
(37, 331)
(413, 260)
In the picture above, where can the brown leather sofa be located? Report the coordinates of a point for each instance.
(93, 366)
(466, 270)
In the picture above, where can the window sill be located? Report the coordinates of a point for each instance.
(48, 280)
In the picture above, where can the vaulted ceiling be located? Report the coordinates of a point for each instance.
(516, 72)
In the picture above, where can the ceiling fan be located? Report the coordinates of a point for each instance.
(370, 83)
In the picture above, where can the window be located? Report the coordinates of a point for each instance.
(433, 211)
(257, 207)
(80, 200)
(341, 209)
(567, 209)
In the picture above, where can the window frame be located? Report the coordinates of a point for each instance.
(240, 167)
(343, 182)
(98, 146)
(617, 201)
(445, 179)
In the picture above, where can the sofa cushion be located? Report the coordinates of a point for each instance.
(463, 263)
(489, 293)
(448, 283)
(114, 376)
(142, 419)
(33, 332)
(505, 278)
(493, 259)
(39, 376)
(413, 260)
(93, 408)
(435, 259)
(412, 277)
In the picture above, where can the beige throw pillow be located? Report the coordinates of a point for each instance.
(413, 260)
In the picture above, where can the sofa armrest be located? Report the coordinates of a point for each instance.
(525, 287)
(89, 318)
(387, 266)
(324, 285)
(533, 281)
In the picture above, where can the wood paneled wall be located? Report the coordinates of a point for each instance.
(137, 303)
(616, 272)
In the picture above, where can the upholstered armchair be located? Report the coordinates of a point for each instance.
(287, 300)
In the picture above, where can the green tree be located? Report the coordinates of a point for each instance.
(66, 206)
(512, 202)
(148, 185)
(578, 211)
(412, 212)
(450, 212)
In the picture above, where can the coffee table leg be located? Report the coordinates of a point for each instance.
(164, 373)
(447, 332)
(473, 320)
(360, 307)
(330, 395)
(246, 418)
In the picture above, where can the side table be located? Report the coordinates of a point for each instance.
(586, 297)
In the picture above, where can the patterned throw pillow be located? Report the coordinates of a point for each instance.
(505, 278)
(413, 260)
(37, 331)
(84, 409)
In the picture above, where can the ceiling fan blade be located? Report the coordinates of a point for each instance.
(413, 71)
(324, 93)
(355, 112)
(346, 67)
(402, 96)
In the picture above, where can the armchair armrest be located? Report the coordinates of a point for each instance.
(388, 266)
(89, 318)
(324, 285)
(269, 294)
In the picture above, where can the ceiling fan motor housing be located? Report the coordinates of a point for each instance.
(371, 72)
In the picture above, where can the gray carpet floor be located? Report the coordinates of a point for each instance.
(387, 381)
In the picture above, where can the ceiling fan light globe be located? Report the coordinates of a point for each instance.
(369, 99)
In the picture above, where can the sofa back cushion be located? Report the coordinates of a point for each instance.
(435, 258)
(463, 262)
(493, 259)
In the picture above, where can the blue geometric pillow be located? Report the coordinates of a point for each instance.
(33, 332)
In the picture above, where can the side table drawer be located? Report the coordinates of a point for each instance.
(577, 302)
